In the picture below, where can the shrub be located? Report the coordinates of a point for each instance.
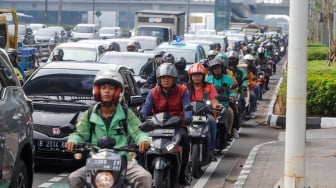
(317, 53)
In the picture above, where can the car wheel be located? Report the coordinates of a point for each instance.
(20, 176)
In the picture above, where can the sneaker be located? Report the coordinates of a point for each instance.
(213, 157)
(235, 133)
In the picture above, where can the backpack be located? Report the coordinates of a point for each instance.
(93, 125)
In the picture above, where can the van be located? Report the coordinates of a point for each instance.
(84, 31)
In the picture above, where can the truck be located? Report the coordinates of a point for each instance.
(26, 55)
(162, 24)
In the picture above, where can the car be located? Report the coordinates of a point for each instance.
(109, 32)
(74, 51)
(207, 45)
(222, 40)
(46, 35)
(143, 64)
(16, 130)
(191, 52)
(123, 43)
(235, 38)
(108, 45)
(61, 32)
(84, 31)
(59, 91)
(147, 43)
(36, 26)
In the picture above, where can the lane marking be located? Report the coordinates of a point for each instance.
(45, 184)
(56, 179)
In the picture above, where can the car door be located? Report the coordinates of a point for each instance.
(10, 120)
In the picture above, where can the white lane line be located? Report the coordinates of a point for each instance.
(64, 174)
(56, 179)
(211, 168)
(45, 185)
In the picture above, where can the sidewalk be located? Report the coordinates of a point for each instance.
(264, 167)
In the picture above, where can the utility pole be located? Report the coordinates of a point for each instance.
(59, 12)
(46, 12)
(93, 11)
(294, 175)
(188, 15)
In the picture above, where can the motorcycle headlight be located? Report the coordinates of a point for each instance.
(104, 180)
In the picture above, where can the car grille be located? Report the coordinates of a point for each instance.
(48, 130)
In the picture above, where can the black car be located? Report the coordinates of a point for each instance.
(16, 130)
(59, 90)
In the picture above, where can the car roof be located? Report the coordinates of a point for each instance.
(186, 45)
(77, 44)
(130, 54)
(83, 66)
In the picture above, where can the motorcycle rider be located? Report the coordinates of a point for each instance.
(254, 89)
(19, 71)
(170, 97)
(166, 58)
(241, 76)
(58, 55)
(200, 90)
(219, 79)
(107, 115)
(180, 65)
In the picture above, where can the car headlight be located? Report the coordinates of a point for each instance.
(104, 179)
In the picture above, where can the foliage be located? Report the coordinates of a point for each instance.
(317, 53)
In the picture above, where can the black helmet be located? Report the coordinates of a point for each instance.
(168, 58)
(181, 63)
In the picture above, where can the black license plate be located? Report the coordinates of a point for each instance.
(51, 145)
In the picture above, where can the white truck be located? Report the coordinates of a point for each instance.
(163, 24)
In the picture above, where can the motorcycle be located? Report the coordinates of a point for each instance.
(164, 157)
(222, 124)
(261, 80)
(200, 138)
(105, 167)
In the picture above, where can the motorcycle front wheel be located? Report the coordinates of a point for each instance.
(195, 161)
(162, 178)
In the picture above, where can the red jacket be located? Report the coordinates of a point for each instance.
(169, 102)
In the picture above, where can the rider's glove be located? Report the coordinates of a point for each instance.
(188, 121)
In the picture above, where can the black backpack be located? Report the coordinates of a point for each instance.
(93, 125)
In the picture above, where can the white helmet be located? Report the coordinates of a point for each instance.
(248, 57)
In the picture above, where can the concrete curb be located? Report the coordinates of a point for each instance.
(279, 121)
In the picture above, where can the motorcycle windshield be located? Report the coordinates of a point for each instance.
(164, 120)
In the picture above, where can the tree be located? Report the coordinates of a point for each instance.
(314, 18)
(327, 7)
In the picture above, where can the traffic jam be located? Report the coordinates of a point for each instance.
(157, 101)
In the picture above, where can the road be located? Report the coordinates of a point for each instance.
(222, 173)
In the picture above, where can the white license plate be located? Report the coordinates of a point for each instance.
(199, 118)
(51, 145)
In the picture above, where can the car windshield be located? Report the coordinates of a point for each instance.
(134, 62)
(107, 31)
(79, 54)
(84, 29)
(45, 32)
(60, 82)
(189, 55)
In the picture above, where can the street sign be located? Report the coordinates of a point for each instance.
(195, 19)
(98, 13)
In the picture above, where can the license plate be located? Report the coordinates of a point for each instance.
(199, 118)
(51, 145)
(103, 164)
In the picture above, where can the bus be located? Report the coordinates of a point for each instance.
(22, 18)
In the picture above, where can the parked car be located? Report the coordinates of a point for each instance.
(109, 32)
(143, 64)
(16, 130)
(74, 51)
(60, 90)
(147, 43)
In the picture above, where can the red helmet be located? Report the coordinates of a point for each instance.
(196, 68)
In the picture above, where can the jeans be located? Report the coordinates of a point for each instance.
(213, 131)
(258, 91)
(253, 101)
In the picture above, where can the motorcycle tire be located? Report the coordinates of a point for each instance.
(162, 178)
(196, 166)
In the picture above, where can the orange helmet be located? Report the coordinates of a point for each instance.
(196, 68)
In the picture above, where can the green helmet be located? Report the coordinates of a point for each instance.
(222, 56)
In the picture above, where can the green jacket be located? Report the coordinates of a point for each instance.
(225, 79)
(82, 132)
